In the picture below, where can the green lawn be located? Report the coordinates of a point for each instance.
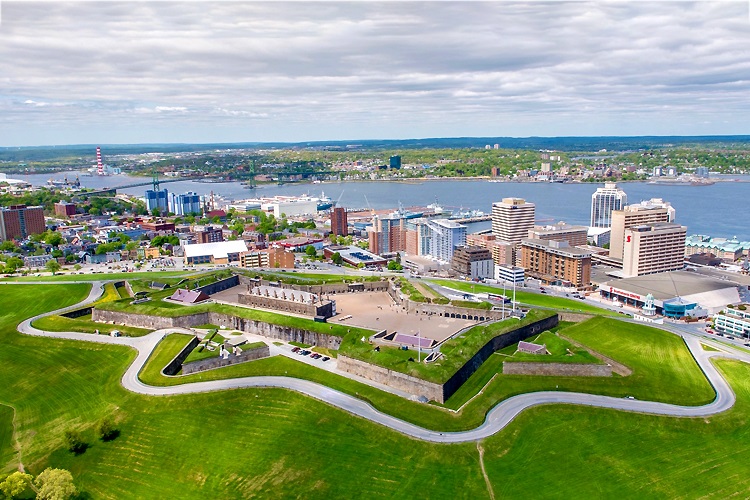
(85, 325)
(299, 278)
(8, 456)
(276, 443)
(155, 275)
(560, 351)
(528, 298)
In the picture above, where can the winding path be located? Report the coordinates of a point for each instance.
(497, 418)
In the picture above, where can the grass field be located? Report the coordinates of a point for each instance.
(560, 351)
(276, 443)
(85, 325)
(154, 275)
(532, 299)
(7, 453)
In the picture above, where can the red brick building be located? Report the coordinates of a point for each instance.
(339, 223)
(19, 221)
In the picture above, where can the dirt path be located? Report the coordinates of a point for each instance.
(14, 438)
(480, 449)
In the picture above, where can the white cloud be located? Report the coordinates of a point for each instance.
(197, 71)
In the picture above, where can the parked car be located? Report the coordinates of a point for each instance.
(326, 358)
(295, 349)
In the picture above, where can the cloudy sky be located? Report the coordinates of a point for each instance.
(88, 72)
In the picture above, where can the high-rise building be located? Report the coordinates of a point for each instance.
(555, 262)
(19, 221)
(512, 219)
(395, 162)
(630, 216)
(604, 201)
(157, 199)
(339, 223)
(653, 248)
(387, 234)
(187, 204)
(446, 236)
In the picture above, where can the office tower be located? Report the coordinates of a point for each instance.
(653, 248)
(157, 199)
(604, 201)
(512, 219)
(556, 262)
(395, 162)
(632, 215)
(339, 223)
(17, 222)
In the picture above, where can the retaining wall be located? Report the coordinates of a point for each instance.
(495, 344)
(441, 392)
(174, 366)
(77, 313)
(556, 369)
(211, 363)
(574, 317)
(220, 285)
(243, 324)
(397, 380)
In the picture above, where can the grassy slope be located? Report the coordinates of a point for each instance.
(155, 275)
(560, 351)
(532, 299)
(85, 325)
(7, 453)
(568, 451)
(296, 446)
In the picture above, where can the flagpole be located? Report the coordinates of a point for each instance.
(419, 347)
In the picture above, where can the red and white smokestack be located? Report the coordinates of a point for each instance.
(99, 165)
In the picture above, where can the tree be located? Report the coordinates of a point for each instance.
(394, 266)
(52, 266)
(15, 484)
(107, 430)
(13, 264)
(337, 259)
(74, 441)
(77, 267)
(53, 238)
(55, 484)
(8, 246)
(311, 251)
(156, 212)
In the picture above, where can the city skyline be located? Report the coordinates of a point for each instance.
(107, 72)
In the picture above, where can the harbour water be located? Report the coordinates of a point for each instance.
(715, 210)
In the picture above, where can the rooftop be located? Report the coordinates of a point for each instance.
(219, 249)
(664, 286)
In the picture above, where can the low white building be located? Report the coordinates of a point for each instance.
(222, 252)
(510, 274)
(733, 321)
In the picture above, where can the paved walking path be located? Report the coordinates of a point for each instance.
(497, 418)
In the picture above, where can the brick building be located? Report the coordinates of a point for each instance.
(556, 262)
(17, 222)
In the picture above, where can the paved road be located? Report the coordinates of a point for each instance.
(497, 418)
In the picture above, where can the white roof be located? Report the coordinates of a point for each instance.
(218, 250)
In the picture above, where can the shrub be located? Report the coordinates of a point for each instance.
(107, 430)
(74, 441)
